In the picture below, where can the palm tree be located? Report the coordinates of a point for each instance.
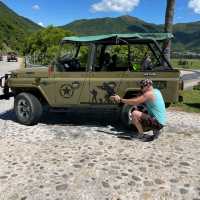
(169, 17)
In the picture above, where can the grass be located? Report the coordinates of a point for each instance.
(191, 102)
(189, 63)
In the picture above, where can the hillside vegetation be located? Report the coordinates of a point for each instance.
(187, 35)
(44, 44)
(14, 28)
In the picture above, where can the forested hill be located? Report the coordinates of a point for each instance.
(14, 28)
(187, 35)
(123, 24)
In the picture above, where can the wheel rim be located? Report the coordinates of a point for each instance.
(130, 114)
(24, 109)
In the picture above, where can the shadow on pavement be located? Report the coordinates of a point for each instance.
(8, 115)
(88, 119)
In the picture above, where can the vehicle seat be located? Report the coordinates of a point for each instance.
(105, 62)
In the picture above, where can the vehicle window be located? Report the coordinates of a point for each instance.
(83, 56)
(124, 57)
(111, 58)
(73, 58)
(142, 58)
(68, 50)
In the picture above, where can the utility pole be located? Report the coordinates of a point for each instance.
(169, 17)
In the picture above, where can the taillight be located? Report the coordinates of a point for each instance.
(50, 69)
(181, 84)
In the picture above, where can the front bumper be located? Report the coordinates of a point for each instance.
(4, 85)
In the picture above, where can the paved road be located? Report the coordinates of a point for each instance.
(89, 156)
(191, 78)
(5, 67)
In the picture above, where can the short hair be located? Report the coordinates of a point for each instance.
(146, 82)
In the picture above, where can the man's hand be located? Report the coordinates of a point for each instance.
(115, 98)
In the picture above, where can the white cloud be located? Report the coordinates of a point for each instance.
(36, 7)
(195, 5)
(41, 24)
(115, 5)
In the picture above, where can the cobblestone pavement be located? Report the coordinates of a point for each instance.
(89, 156)
(65, 157)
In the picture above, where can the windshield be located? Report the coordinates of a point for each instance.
(68, 50)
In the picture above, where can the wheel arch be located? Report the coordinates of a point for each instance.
(34, 91)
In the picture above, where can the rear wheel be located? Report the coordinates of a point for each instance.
(28, 109)
(126, 117)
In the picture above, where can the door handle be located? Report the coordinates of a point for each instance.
(150, 74)
(76, 84)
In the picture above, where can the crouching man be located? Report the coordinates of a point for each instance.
(152, 98)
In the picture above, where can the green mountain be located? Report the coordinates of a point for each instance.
(106, 25)
(14, 28)
(187, 35)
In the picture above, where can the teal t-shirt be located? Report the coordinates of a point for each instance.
(156, 108)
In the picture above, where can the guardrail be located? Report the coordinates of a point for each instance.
(31, 62)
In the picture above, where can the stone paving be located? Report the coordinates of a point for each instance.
(89, 156)
(65, 157)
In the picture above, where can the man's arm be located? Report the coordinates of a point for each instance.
(135, 101)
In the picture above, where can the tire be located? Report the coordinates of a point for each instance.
(27, 108)
(126, 116)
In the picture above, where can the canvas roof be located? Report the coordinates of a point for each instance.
(134, 36)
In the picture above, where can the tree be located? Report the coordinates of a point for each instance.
(44, 44)
(169, 17)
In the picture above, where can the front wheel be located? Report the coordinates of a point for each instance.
(28, 109)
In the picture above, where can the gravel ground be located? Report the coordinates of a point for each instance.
(81, 156)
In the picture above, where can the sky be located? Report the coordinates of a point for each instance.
(61, 12)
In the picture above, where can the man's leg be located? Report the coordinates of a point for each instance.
(136, 118)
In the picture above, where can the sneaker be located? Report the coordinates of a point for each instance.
(150, 138)
(156, 133)
(140, 136)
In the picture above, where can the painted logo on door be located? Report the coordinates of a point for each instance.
(67, 90)
(109, 89)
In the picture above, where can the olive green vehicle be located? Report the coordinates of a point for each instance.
(88, 71)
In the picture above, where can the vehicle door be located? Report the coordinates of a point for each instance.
(72, 84)
(105, 77)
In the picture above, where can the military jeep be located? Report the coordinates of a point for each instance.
(88, 71)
